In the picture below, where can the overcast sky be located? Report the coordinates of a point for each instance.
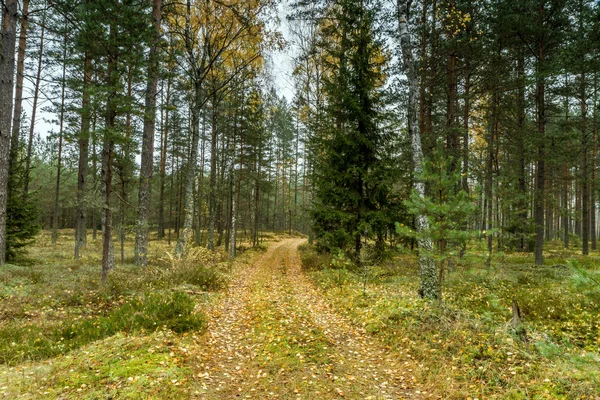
(281, 65)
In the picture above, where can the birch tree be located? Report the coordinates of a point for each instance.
(429, 279)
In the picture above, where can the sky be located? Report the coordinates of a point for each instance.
(281, 65)
(282, 61)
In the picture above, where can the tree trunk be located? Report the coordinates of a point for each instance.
(191, 173)
(585, 184)
(16, 126)
(522, 178)
(565, 215)
(540, 180)
(83, 143)
(163, 164)
(108, 252)
(95, 180)
(212, 195)
(593, 166)
(8, 38)
(141, 236)
(429, 278)
(60, 145)
(36, 92)
(124, 169)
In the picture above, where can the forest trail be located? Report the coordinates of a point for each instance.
(275, 336)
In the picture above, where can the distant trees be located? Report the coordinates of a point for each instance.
(179, 98)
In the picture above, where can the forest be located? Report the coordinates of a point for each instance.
(361, 199)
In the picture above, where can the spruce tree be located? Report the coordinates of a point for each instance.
(351, 184)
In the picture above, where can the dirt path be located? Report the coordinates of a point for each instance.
(274, 336)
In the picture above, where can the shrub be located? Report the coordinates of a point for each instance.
(311, 259)
(174, 311)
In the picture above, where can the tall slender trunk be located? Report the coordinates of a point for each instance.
(108, 253)
(95, 175)
(8, 38)
(124, 170)
(200, 205)
(36, 92)
(565, 214)
(540, 181)
(83, 143)
(171, 189)
(429, 278)
(593, 232)
(488, 175)
(141, 235)
(212, 195)
(466, 115)
(296, 162)
(522, 179)
(191, 172)
(60, 145)
(283, 193)
(18, 108)
(163, 163)
(236, 202)
(585, 184)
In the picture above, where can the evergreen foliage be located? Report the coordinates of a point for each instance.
(23, 214)
(352, 175)
(449, 208)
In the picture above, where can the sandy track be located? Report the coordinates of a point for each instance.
(275, 336)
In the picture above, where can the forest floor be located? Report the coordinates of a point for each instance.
(275, 336)
(284, 321)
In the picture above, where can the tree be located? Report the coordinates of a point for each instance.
(8, 33)
(141, 238)
(429, 277)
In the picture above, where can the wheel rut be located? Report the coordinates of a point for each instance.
(275, 336)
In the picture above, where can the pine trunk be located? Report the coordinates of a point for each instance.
(141, 236)
(83, 143)
(8, 38)
(60, 145)
(36, 92)
(540, 181)
(18, 108)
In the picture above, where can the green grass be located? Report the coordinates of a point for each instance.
(465, 347)
(38, 340)
(51, 304)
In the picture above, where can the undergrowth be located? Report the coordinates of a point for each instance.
(465, 346)
(52, 304)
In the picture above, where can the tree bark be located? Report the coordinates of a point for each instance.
(8, 38)
(60, 145)
(593, 223)
(36, 92)
(108, 252)
(141, 237)
(540, 181)
(163, 164)
(84, 144)
(191, 173)
(585, 184)
(429, 278)
(212, 195)
(18, 108)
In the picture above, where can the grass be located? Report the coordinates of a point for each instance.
(64, 334)
(465, 347)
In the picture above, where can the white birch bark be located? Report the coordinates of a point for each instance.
(428, 271)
